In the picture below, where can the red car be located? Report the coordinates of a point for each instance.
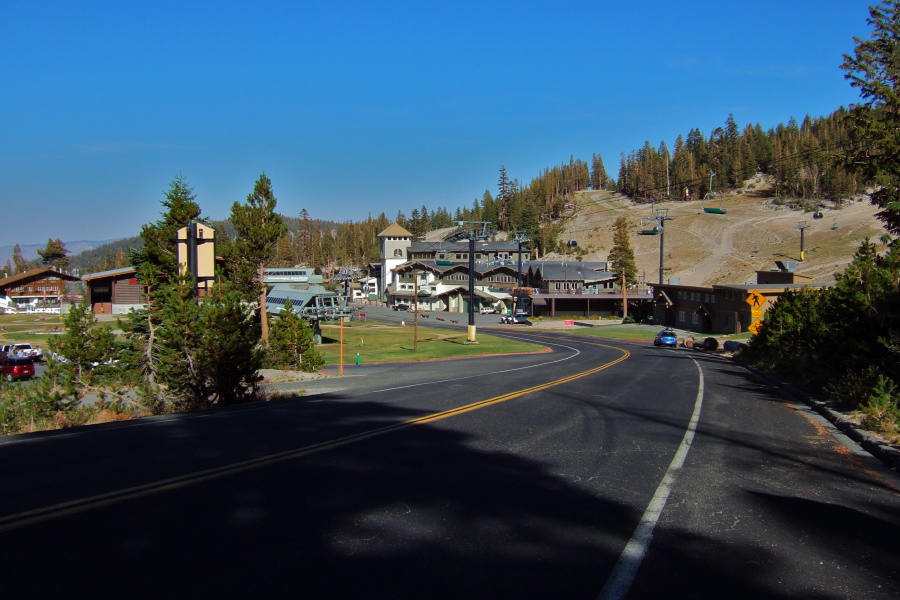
(14, 367)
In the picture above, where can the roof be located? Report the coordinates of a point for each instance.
(464, 290)
(40, 273)
(743, 287)
(574, 271)
(111, 273)
(395, 230)
(480, 268)
(439, 246)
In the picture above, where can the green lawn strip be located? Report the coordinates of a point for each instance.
(30, 329)
(381, 343)
(617, 334)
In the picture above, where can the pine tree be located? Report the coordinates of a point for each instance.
(54, 254)
(621, 256)
(874, 69)
(188, 353)
(599, 177)
(292, 343)
(206, 349)
(84, 343)
(156, 261)
(21, 265)
(503, 196)
(258, 228)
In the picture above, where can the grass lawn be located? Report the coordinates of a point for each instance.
(380, 342)
(619, 334)
(31, 329)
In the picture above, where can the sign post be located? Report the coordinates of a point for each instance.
(756, 301)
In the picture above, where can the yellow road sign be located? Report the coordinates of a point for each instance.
(755, 300)
(756, 314)
(754, 327)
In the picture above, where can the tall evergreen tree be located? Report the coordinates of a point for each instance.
(54, 254)
(21, 265)
(874, 69)
(258, 228)
(189, 353)
(292, 344)
(621, 256)
(503, 197)
(599, 177)
(156, 261)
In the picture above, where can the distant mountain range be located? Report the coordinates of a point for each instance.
(29, 251)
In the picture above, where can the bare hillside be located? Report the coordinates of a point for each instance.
(705, 249)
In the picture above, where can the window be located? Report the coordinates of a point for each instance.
(695, 319)
(681, 316)
(398, 252)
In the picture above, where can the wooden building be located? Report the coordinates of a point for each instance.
(724, 308)
(114, 292)
(44, 287)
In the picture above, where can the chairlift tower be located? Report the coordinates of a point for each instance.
(801, 225)
(345, 275)
(659, 216)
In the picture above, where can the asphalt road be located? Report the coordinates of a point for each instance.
(602, 469)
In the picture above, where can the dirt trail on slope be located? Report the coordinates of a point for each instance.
(704, 249)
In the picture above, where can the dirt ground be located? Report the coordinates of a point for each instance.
(705, 249)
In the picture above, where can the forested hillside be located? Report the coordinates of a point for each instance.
(808, 162)
(807, 165)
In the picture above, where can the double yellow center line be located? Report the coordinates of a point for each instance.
(71, 507)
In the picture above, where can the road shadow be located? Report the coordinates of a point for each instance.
(423, 511)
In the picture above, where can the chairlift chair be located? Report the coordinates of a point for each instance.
(708, 209)
(647, 229)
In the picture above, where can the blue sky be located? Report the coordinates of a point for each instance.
(354, 108)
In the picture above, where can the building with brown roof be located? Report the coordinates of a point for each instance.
(44, 287)
(724, 308)
(115, 292)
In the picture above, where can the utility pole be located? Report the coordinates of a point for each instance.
(470, 338)
(415, 311)
(520, 237)
(473, 230)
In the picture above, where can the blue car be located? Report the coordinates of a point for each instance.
(666, 337)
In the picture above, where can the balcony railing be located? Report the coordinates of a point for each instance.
(586, 292)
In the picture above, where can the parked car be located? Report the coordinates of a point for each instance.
(666, 337)
(487, 310)
(22, 350)
(16, 368)
(400, 306)
(519, 318)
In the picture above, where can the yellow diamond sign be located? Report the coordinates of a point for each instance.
(754, 327)
(755, 300)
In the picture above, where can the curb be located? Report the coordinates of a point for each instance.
(887, 454)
